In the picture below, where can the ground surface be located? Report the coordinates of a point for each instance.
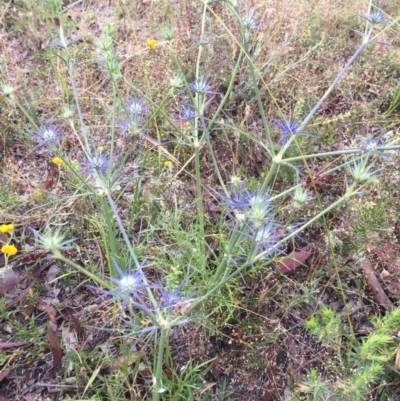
(261, 351)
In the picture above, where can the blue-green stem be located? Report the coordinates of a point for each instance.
(199, 98)
(95, 277)
(164, 334)
(221, 269)
(26, 114)
(261, 110)
(77, 104)
(310, 115)
(350, 192)
(279, 157)
(112, 240)
(130, 249)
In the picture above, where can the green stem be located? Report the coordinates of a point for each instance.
(256, 90)
(269, 177)
(77, 104)
(131, 250)
(160, 359)
(230, 247)
(310, 115)
(200, 211)
(94, 277)
(26, 114)
(351, 191)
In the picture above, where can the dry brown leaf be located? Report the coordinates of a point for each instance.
(296, 259)
(271, 386)
(376, 288)
(8, 282)
(3, 375)
(54, 341)
(9, 344)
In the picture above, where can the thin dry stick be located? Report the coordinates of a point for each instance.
(376, 288)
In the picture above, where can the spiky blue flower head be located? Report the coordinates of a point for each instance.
(128, 287)
(172, 297)
(259, 208)
(133, 124)
(362, 171)
(136, 106)
(375, 17)
(187, 112)
(267, 236)
(202, 86)
(202, 41)
(371, 145)
(264, 239)
(252, 207)
(249, 20)
(48, 135)
(63, 40)
(288, 127)
(97, 161)
(301, 195)
(168, 32)
(53, 241)
(64, 43)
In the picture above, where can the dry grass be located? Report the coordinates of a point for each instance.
(296, 80)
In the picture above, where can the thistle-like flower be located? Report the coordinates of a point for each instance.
(136, 106)
(187, 112)
(176, 81)
(7, 89)
(301, 196)
(168, 32)
(128, 287)
(202, 86)
(254, 208)
(288, 127)
(62, 41)
(375, 17)
(133, 124)
(97, 161)
(249, 21)
(67, 112)
(48, 135)
(202, 41)
(371, 145)
(171, 297)
(267, 236)
(264, 239)
(361, 171)
(53, 241)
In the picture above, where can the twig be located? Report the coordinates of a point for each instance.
(376, 288)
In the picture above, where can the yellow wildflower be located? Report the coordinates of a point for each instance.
(37, 193)
(7, 228)
(57, 160)
(100, 149)
(151, 43)
(167, 163)
(9, 250)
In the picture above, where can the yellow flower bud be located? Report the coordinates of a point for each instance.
(9, 249)
(6, 228)
(151, 43)
(57, 160)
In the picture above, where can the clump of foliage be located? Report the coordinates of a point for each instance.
(252, 232)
